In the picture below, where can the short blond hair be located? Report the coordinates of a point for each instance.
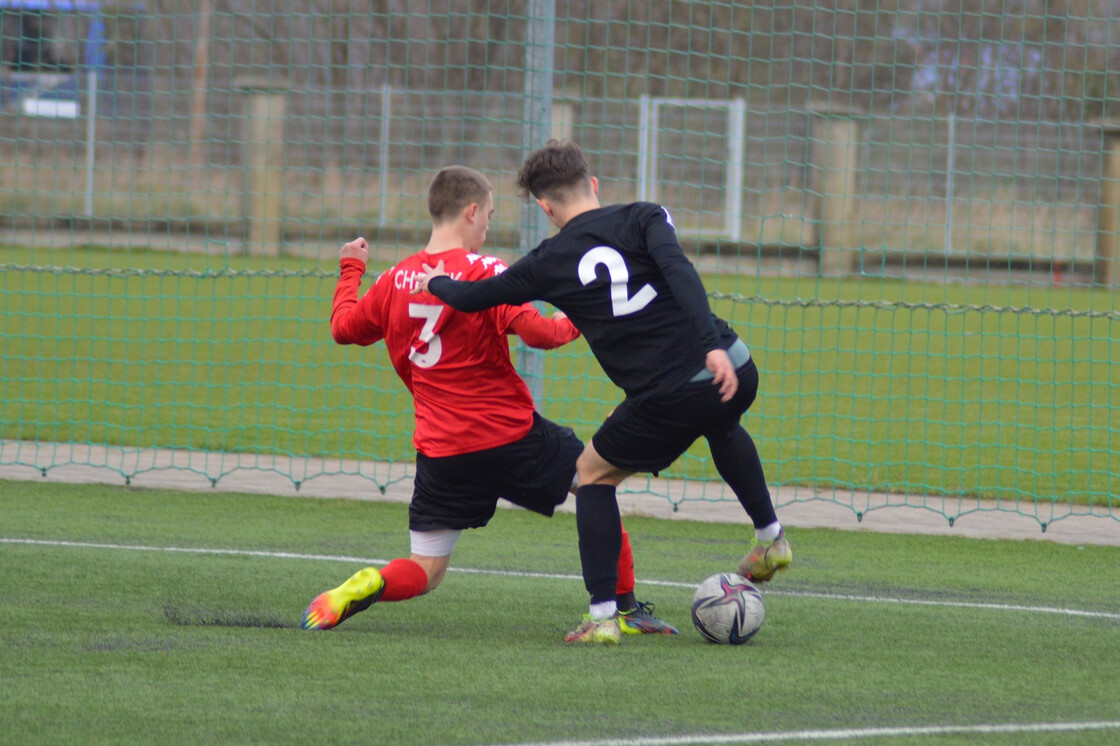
(454, 188)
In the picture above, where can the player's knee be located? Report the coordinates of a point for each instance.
(591, 468)
(588, 468)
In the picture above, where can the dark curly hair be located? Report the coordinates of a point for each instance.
(554, 172)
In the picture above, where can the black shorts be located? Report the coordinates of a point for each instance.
(458, 492)
(649, 435)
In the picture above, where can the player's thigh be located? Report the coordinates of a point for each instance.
(451, 492)
(592, 468)
(641, 438)
(537, 471)
(732, 411)
(649, 435)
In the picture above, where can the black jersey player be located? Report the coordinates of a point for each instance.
(620, 275)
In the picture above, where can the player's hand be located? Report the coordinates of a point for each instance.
(559, 315)
(356, 249)
(723, 373)
(421, 283)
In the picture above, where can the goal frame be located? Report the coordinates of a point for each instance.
(649, 150)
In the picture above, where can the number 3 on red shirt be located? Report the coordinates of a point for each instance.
(430, 314)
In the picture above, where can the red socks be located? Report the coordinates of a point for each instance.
(404, 579)
(625, 566)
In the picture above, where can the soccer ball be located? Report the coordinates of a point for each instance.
(727, 609)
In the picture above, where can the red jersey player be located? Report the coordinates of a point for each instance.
(478, 436)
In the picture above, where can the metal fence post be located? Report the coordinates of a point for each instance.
(536, 128)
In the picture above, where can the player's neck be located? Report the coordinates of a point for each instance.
(445, 238)
(567, 212)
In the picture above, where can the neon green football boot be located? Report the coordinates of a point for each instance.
(331, 608)
(602, 631)
(764, 560)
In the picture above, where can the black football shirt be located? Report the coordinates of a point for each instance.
(620, 275)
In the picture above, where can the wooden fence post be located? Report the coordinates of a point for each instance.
(1108, 208)
(262, 202)
(834, 160)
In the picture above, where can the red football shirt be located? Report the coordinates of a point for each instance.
(467, 393)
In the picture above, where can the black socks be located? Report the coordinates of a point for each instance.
(600, 539)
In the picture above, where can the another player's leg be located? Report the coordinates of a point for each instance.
(600, 540)
(736, 459)
(399, 580)
(600, 544)
(634, 616)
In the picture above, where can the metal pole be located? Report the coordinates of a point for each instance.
(644, 125)
(91, 140)
(93, 60)
(536, 128)
(201, 77)
(950, 161)
(386, 98)
(736, 132)
(652, 182)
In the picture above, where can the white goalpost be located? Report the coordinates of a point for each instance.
(649, 151)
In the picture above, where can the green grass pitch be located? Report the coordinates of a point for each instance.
(109, 638)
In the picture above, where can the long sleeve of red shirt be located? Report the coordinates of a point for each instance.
(347, 325)
(542, 332)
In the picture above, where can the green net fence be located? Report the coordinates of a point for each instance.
(909, 210)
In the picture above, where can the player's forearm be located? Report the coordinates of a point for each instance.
(544, 333)
(344, 326)
(463, 295)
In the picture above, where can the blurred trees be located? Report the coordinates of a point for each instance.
(1050, 59)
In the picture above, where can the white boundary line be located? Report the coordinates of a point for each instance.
(558, 576)
(843, 734)
(697, 740)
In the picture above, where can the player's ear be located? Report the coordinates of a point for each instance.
(546, 206)
(470, 212)
(595, 186)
